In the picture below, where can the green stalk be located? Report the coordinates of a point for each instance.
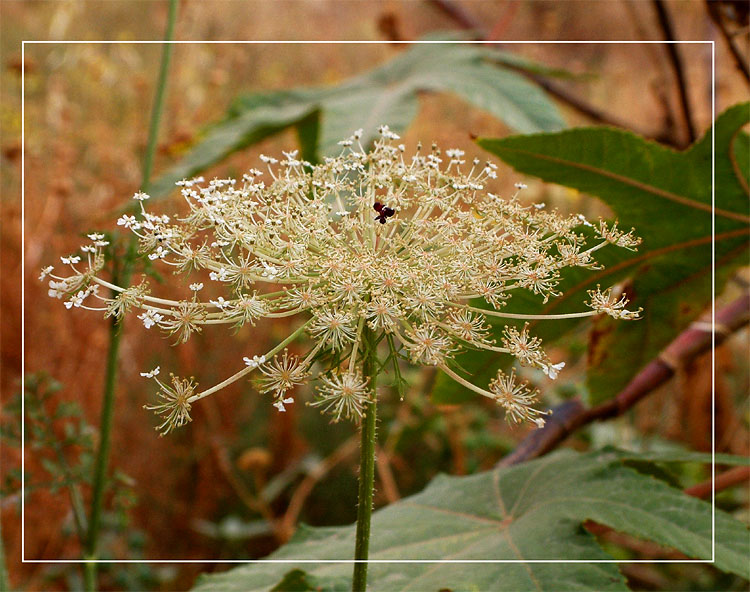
(4, 582)
(121, 276)
(102, 454)
(366, 463)
(161, 87)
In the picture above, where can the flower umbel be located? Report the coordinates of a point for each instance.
(175, 401)
(401, 243)
(516, 399)
(604, 302)
(282, 374)
(342, 395)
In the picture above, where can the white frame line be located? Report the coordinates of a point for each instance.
(372, 42)
(713, 302)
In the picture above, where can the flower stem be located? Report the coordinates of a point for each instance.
(530, 317)
(161, 86)
(366, 463)
(4, 580)
(121, 276)
(102, 455)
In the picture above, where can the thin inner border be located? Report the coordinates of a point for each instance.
(350, 561)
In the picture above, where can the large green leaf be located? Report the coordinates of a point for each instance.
(262, 116)
(666, 196)
(384, 95)
(531, 513)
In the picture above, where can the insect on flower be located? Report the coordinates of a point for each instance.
(384, 212)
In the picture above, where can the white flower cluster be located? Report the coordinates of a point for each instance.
(366, 241)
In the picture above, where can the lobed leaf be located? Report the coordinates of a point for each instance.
(531, 513)
(387, 94)
(666, 196)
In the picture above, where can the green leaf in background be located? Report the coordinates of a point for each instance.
(387, 94)
(264, 116)
(528, 512)
(666, 196)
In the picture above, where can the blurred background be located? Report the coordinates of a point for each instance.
(234, 482)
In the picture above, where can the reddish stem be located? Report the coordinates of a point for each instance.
(725, 480)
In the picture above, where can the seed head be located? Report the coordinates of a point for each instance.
(174, 407)
(343, 395)
(516, 399)
(604, 302)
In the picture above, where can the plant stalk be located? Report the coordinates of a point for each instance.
(366, 463)
(161, 86)
(4, 580)
(121, 276)
(102, 454)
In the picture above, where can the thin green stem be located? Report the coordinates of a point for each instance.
(4, 583)
(235, 377)
(121, 276)
(396, 369)
(161, 86)
(366, 463)
(466, 383)
(102, 456)
(529, 317)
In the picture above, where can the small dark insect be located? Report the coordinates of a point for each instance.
(384, 212)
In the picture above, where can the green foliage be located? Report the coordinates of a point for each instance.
(57, 434)
(61, 441)
(531, 512)
(666, 196)
(387, 94)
